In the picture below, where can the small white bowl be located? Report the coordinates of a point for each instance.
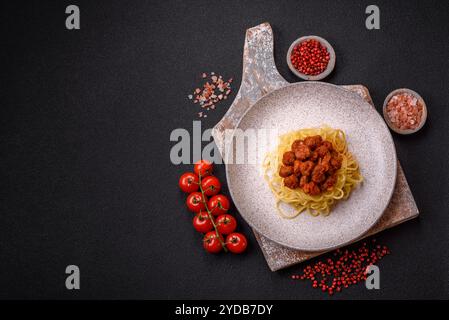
(330, 65)
(387, 119)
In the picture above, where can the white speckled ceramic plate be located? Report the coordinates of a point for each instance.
(306, 105)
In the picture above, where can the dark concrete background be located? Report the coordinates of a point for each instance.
(86, 177)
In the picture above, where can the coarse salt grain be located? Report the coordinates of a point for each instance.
(404, 111)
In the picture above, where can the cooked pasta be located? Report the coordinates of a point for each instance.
(347, 175)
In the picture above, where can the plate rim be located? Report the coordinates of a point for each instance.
(391, 191)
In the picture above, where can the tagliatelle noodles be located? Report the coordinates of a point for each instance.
(348, 176)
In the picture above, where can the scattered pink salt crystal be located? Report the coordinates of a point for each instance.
(213, 90)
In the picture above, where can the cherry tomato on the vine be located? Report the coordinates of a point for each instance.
(212, 243)
(218, 204)
(195, 202)
(226, 224)
(202, 222)
(211, 185)
(236, 242)
(189, 182)
(203, 168)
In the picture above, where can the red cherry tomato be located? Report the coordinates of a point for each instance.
(226, 224)
(236, 242)
(218, 204)
(211, 185)
(195, 202)
(202, 223)
(203, 168)
(189, 182)
(212, 243)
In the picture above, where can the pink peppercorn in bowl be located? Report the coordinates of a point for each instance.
(311, 66)
(405, 111)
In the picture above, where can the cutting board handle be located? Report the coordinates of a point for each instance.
(259, 77)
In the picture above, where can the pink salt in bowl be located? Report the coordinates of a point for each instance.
(403, 120)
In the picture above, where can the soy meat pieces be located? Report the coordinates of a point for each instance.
(302, 152)
(313, 142)
(305, 168)
(291, 181)
(286, 171)
(311, 165)
(288, 158)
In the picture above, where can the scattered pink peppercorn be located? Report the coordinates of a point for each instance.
(344, 268)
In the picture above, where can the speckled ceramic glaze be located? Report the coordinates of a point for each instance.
(306, 105)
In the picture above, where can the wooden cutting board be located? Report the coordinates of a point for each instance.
(260, 76)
